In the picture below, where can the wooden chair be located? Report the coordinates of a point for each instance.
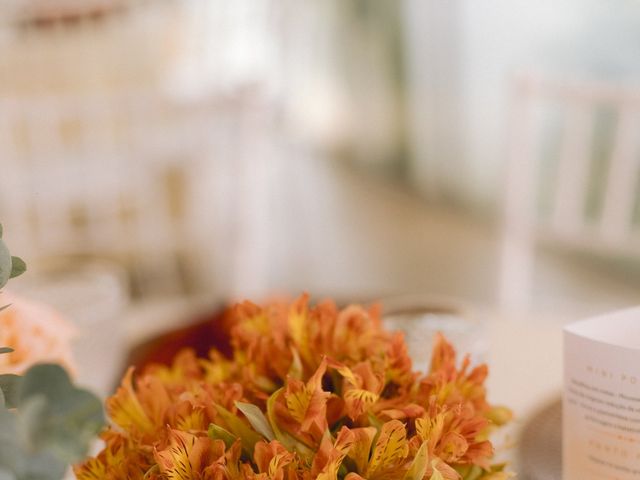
(587, 198)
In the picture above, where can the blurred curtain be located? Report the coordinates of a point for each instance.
(343, 77)
(432, 41)
(370, 55)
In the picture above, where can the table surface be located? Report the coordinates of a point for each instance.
(525, 361)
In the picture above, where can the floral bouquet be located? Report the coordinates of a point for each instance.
(305, 392)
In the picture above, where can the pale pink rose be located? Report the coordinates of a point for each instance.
(37, 334)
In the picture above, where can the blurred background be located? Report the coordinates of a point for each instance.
(161, 157)
(202, 150)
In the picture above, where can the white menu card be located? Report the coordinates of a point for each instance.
(601, 401)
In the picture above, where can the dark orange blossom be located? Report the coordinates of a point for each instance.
(308, 392)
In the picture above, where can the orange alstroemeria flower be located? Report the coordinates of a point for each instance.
(191, 457)
(306, 393)
(301, 409)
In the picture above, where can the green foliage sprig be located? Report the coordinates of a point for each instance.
(46, 423)
(10, 266)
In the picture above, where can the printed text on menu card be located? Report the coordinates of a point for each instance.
(601, 426)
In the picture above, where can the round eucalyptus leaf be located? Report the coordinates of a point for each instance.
(18, 267)
(60, 418)
(11, 453)
(10, 386)
(5, 264)
(6, 474)
(19, 460)
(43, 466)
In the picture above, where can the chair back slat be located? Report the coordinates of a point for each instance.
(573, 168)
(519, 188)
(622, 179)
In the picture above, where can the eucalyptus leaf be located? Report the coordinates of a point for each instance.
(44, 466)
(60, 418)
(9, 266)
(28, 462)
(19, 457)
(5, 264)
(11, 454)
(32, 413)
(44, 462)
(18, 267)
(6, 474)
(10, 386)
(257, 419)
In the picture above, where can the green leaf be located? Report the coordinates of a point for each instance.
(6, 474)
(9, 266)
(271, 413)
(5, 264)
(44, 466)
(32, 412)
(11, 456)
(375, 422)
(469, 472)
(496, 472)
(18, 461)
(10, 386)
(216, 432)
(5, 349)
(18, 267)
(289, 442)
(419, 465)
(257, 419)
(28, 462)
(60, 418)
(237, 427)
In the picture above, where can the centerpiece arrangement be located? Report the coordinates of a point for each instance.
(302, 392)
